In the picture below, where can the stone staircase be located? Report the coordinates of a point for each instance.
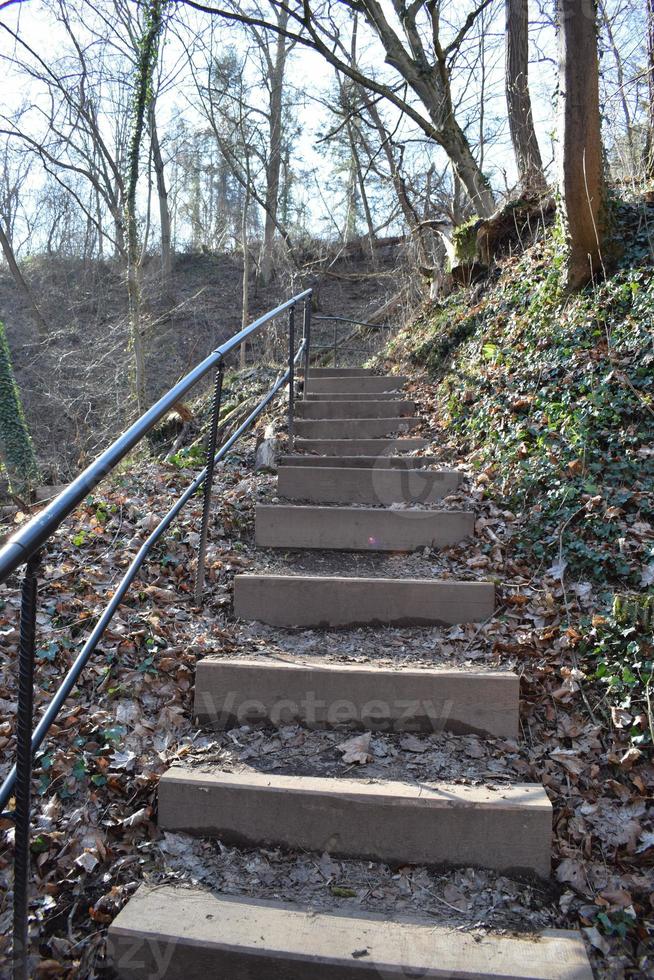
(360, 494)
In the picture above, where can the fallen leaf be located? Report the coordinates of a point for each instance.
(571, 872)
(453, 896)
(87, 860)
(630, 758)
(412, 744)
(621, 718)
(356, 750)
(596, 939)
(570, 759)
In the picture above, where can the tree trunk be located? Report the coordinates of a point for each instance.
(351, 187)
(15, 441)
(273, 169)
(148, 48)
(245, 314)
(432, 85)
(581, 179)
(361, 185)
(649, 151)
(632, 163)
(164, 211)
(23, 288)
(521, 122)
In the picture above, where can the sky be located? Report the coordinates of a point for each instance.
(311, 79)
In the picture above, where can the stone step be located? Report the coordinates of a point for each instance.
(338, 372)
(353, 428)
(362, 462)
(365, 485)
(353, 396)
(360, 447)
(337, 601)
(507, 829)
(376, 383)
(238, 692)
(359, 528)
(353, 410)
(187, 933)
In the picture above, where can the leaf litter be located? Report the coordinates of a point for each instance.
(95, 836)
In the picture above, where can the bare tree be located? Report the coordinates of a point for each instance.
(67, 132)
(581, 180)
(164, 210)
(21, 284)
(241, 127)
(518, 99)
(417, 52)
(13, 176)
(245, 291)
(622, 86)
(276, 65)
(146, 64)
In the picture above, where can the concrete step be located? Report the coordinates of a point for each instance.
(388, 383)
(365, 485)
(362, 462)
(359, 528)
(360, 447)
(338, 372)
(507, 829)
(353, 410)
(334, 601)
(353, 428)
(188, 933)
(353, 396)
(239, 692)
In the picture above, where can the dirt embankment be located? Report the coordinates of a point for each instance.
(75, 380)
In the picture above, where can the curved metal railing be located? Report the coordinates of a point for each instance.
(24, 548)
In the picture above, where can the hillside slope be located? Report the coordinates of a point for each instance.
(547, 399)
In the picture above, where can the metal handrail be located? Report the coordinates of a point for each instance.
(75, 671)
(25, 546)
(357, 323)
(22, 545)
(335, 347)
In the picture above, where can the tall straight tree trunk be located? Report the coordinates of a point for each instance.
(365, 203)
(164, 211)
(581, 180)
(350, 228)
(148, 48)
(275, 153)
(15, 440)
(518, 99)
(245, 314)
(649, 151)
(23, 288)
(632, 163)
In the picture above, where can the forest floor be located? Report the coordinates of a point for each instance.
(545, 404)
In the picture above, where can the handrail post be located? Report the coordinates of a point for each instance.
(208, 482)
(307, 341)
(291, 378)
(335, 339)
(22, 812)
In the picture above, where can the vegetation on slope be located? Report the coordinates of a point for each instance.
(547, 397)
(553, 395)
